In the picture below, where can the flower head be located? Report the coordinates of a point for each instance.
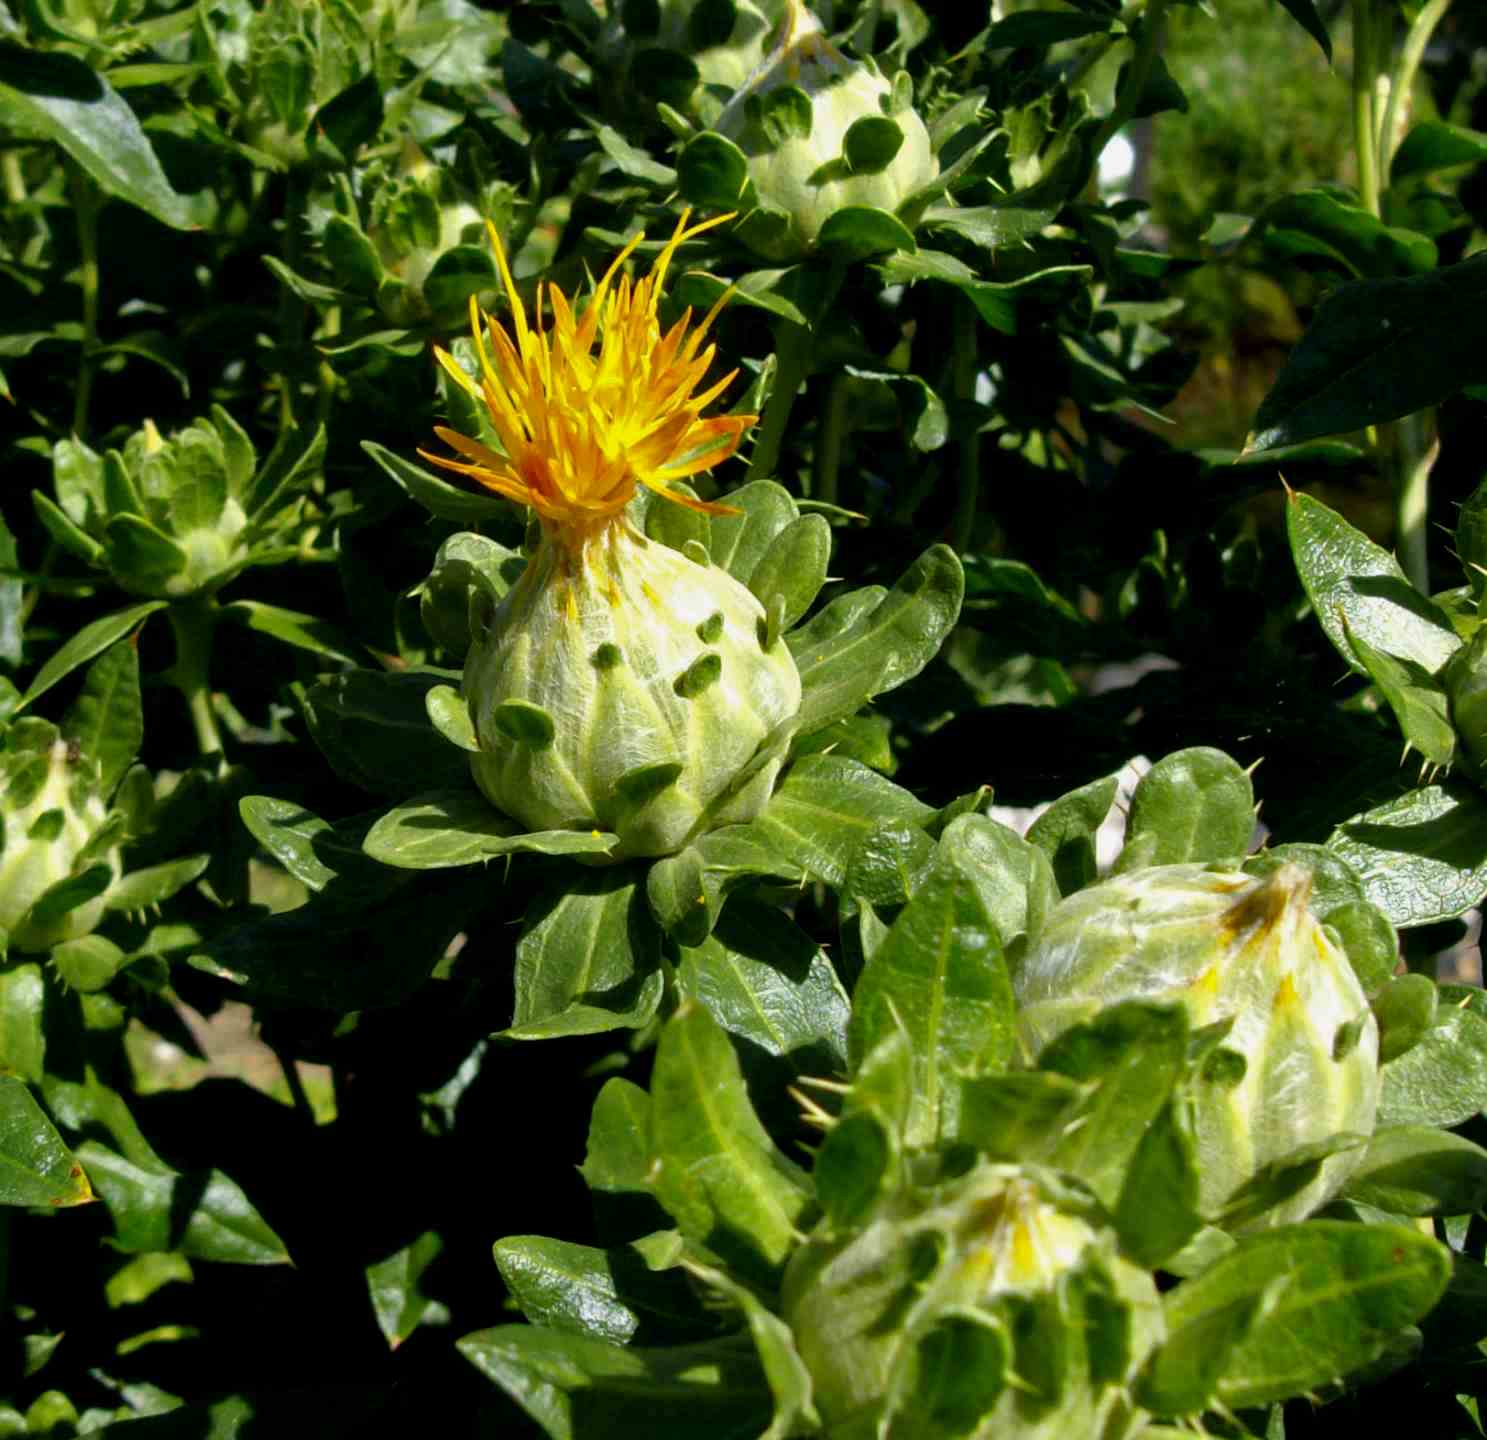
(599, 403)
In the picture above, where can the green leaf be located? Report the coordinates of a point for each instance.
(1065, 832)
(1422, 857)
(459, 273)
(1133, 1056)
(854, 232)
(398, 1301)
(712, 172)
(143, 557)
(1440, 1080)
(926, 422)
(793, 567)
(1320, 222)
(764, 980)
(588, 960)
(289, 832)
(293, 627)
(853, 651)
(870, 144)
(889, 864)
(36, 1168)
(686, 891)
(1304, 13)
(106, 721)
(575, 1387)
(618, 1157)
(438, 497)
(153, 884)
(825, 807)
(351, 119)
(375, 731)
(1158, 1212)
(1192, 805)
(940, 976)
(1377, 350)
(602, 1294)
(68, 535)
(1346, 1291)
(714, 1167)
(1359, 592)
(1420, 705)
(87, 964)
(1405, 1009)
(634, 162)
(739, 542)
(443, 828)
(22, 1037)
(1014, 878)
(1434, 145)
(1019, 1115)
(855, 1168)
(1042, 28)
(55, 97)
(93, 639)
(1420, 1170)
(203, 1215)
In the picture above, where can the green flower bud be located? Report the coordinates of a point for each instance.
(1298, 1065)
(51, 815)
(632, 691)
(1000, 1294)
(723, 39)
(821, 132)
(173, 517)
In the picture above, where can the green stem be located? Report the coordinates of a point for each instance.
(326, 376)
(1402, 82)
(1365, 76)
(963, 368)
(1143, 62)
(792, 365)
(10, 172)
(1413, 460)
(86, 203)
(291, 310)
(193, 623)
(831, 434)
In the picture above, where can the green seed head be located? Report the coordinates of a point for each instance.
(821, 132)
(623, 687)
(1298, 1065)
(50, 810)
(999, 1296)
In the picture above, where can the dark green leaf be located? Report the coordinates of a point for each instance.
(1065, 832)
(1042, 28)
(1420, 1170)
(36, 1168)
(1405, 1009)
(352, 118)
(1434, 145)
(1422, 857)
(1419, 703)
(1304, 13)
(106, 720)
(940, 976)
(843, 665)
(398, 1301)
(1192, 805)
(57, 97)
(856, 231)
(588, 960)
(438, 497)
(712, 172)
(714, 1167)
(1347, 1290)
(1377, 350)
(293, 627)
(289, 832)
(93, 639)
(1322, 223)
(618, 1157)
(1442, 1079)
(1359, 592)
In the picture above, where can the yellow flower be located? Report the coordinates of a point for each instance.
(598, 404)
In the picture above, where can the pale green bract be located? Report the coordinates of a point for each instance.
(1003, 1268)
(791, 121)
(637, 692)
(1297, 1066)
(50, 812)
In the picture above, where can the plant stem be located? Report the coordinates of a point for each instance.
(831, 433)
(86, 202)
(291, 317)
(1402, 82)
(963, 387)
(1143, 62)
(792, 365)
(1365, 135)
(193, 623)
(1413, 460)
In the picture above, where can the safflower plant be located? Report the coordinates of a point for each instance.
(672, 762)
